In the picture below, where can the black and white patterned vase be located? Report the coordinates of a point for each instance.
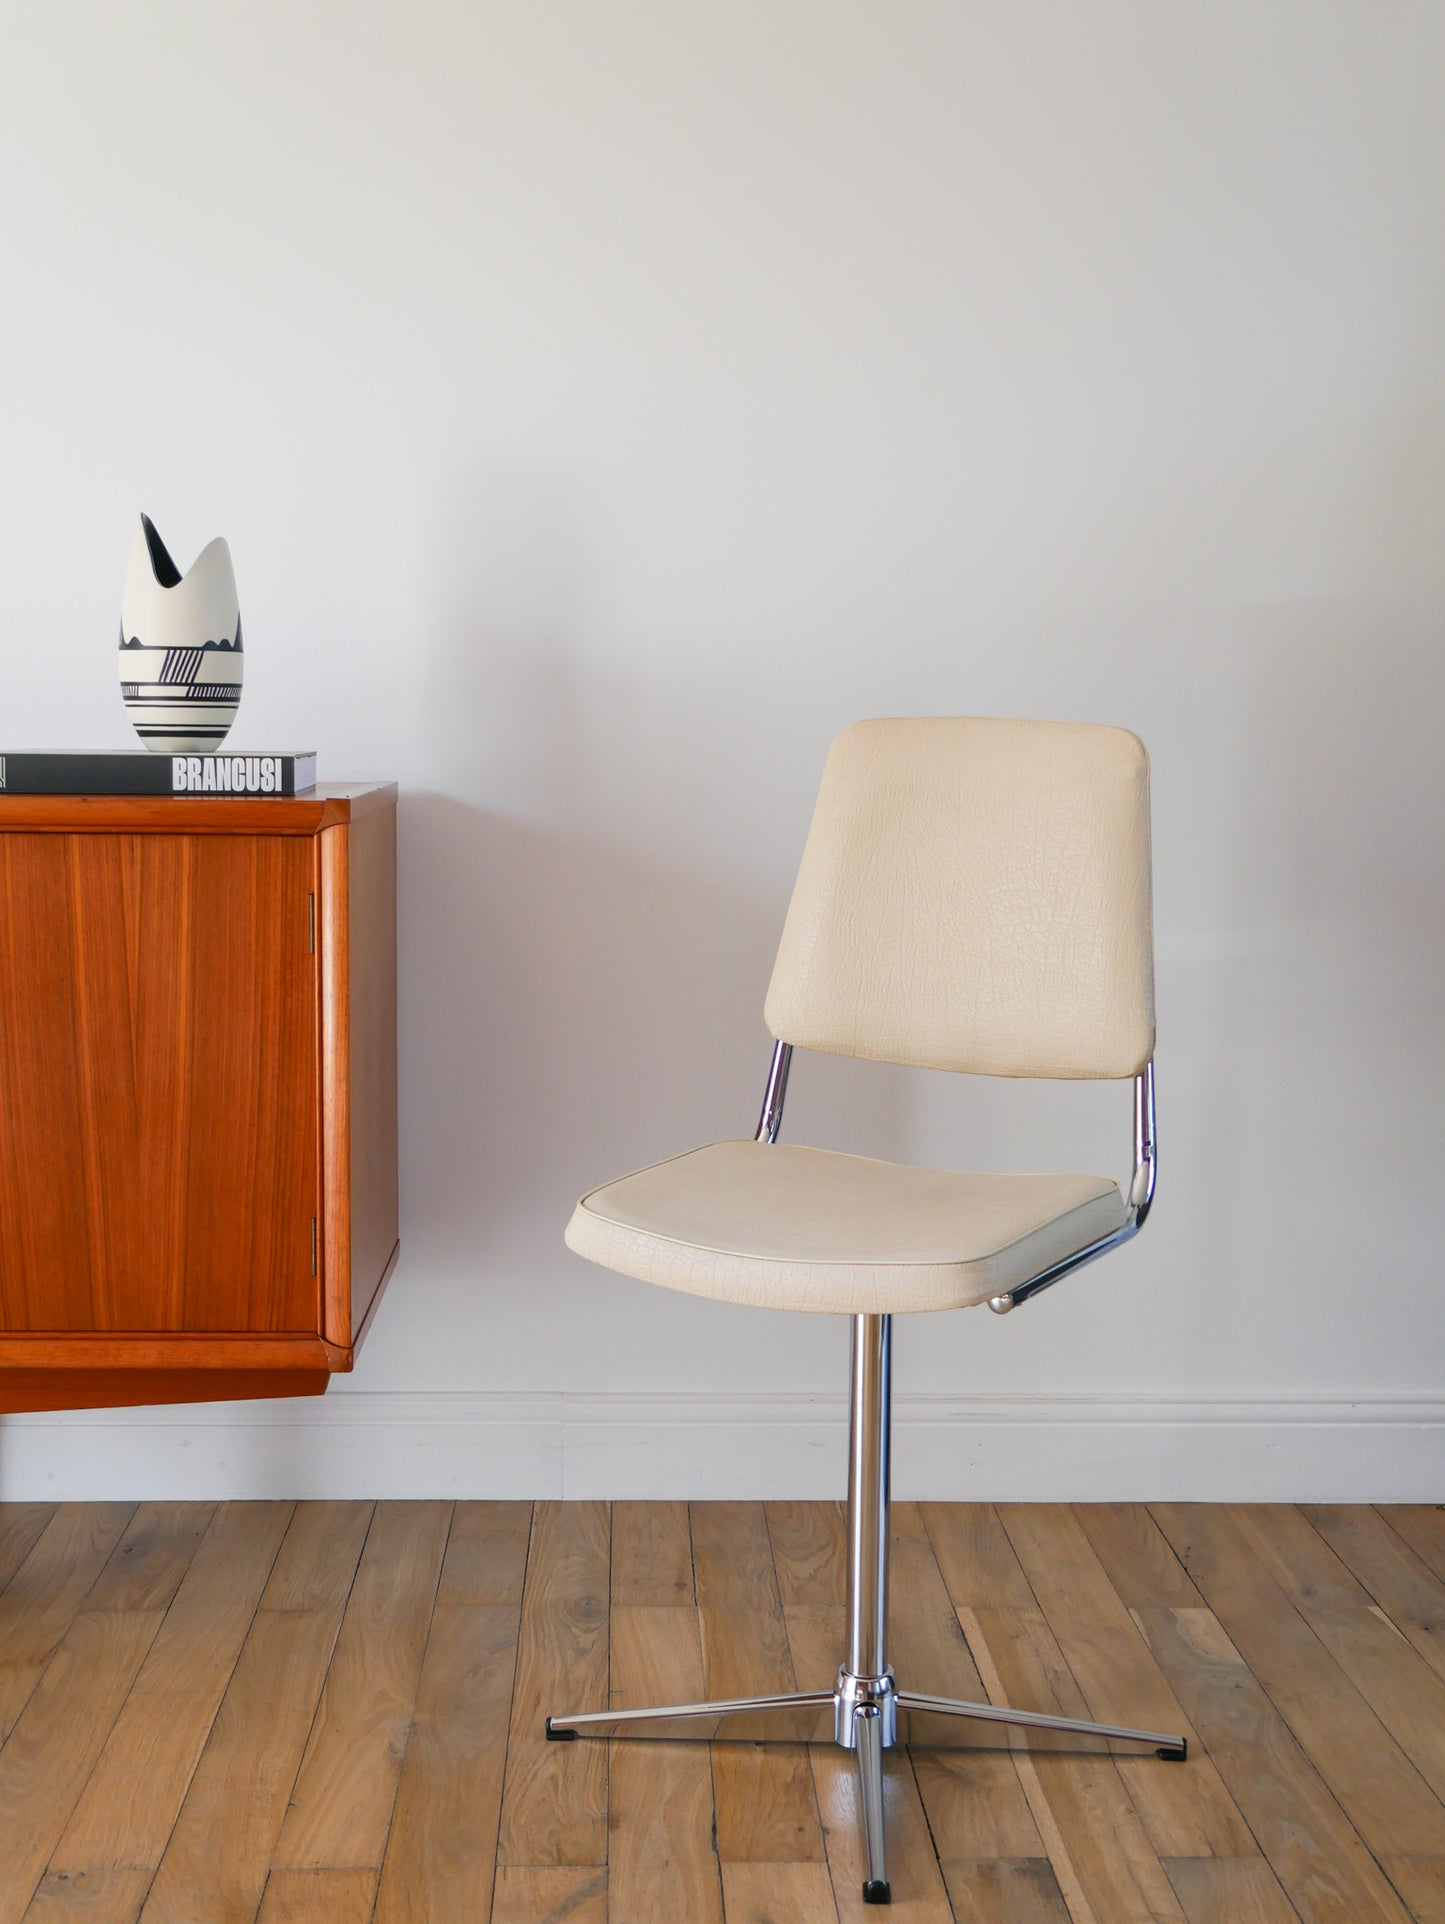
(180, 646)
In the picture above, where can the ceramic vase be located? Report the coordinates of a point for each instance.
(180, 646)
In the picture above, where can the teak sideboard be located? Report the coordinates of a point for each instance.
(198, 1168)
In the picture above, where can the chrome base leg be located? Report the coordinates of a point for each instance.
(603, 1723)
(1170, 1747)
(868, 1743)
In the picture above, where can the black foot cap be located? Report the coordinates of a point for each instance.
(563, 1736)
(1173, 1753)
(876, 1891)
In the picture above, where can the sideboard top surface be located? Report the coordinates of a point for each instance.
(324, 806)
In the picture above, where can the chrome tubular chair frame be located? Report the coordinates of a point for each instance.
(1141, 1195)
(865, 1699)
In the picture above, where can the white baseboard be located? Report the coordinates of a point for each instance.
(1017, 1448)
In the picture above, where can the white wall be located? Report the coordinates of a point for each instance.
(605, 404)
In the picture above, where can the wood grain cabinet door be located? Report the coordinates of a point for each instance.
(158, 1083)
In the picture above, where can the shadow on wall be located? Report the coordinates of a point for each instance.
(572, 1007)
(569, 1012)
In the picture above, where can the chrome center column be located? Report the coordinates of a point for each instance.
(864, 1678)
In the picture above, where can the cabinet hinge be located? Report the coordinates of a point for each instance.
(313, 1245)
(311, 925)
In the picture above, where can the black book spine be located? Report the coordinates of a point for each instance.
(250, 776)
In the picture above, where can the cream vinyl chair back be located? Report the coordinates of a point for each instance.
(975, 895)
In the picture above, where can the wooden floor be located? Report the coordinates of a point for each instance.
(332, 1712)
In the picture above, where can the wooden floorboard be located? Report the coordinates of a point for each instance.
(57, 1738)
(44, 1596)
(550, 1894)
(1099, 1847)
(1229, 1890)
(1319, 1858)
(1422, 1526)
(765, 1804)
(1375, 1780)
(88, 1897)
(319, 1897)
(1005, 1890)
(969, 1801)
(441, 1855)
(554, 1799)
(216, 1860)
(340, 1812)
(778, 1894)
(332, 1713)
(134, 1794)
(1395, 1680)
(1186, 1810)
(21, 1526)
(1405, 1591)
(660, 1795)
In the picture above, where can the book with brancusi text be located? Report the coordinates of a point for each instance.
(139, 772)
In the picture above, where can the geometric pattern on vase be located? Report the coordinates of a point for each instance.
(181, 659)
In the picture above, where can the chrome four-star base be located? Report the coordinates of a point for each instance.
(861, 1714)
(861, 1711)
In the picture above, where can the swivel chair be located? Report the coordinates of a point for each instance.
(974, 895)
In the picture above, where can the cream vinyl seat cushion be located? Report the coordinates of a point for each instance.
(784, 1227)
